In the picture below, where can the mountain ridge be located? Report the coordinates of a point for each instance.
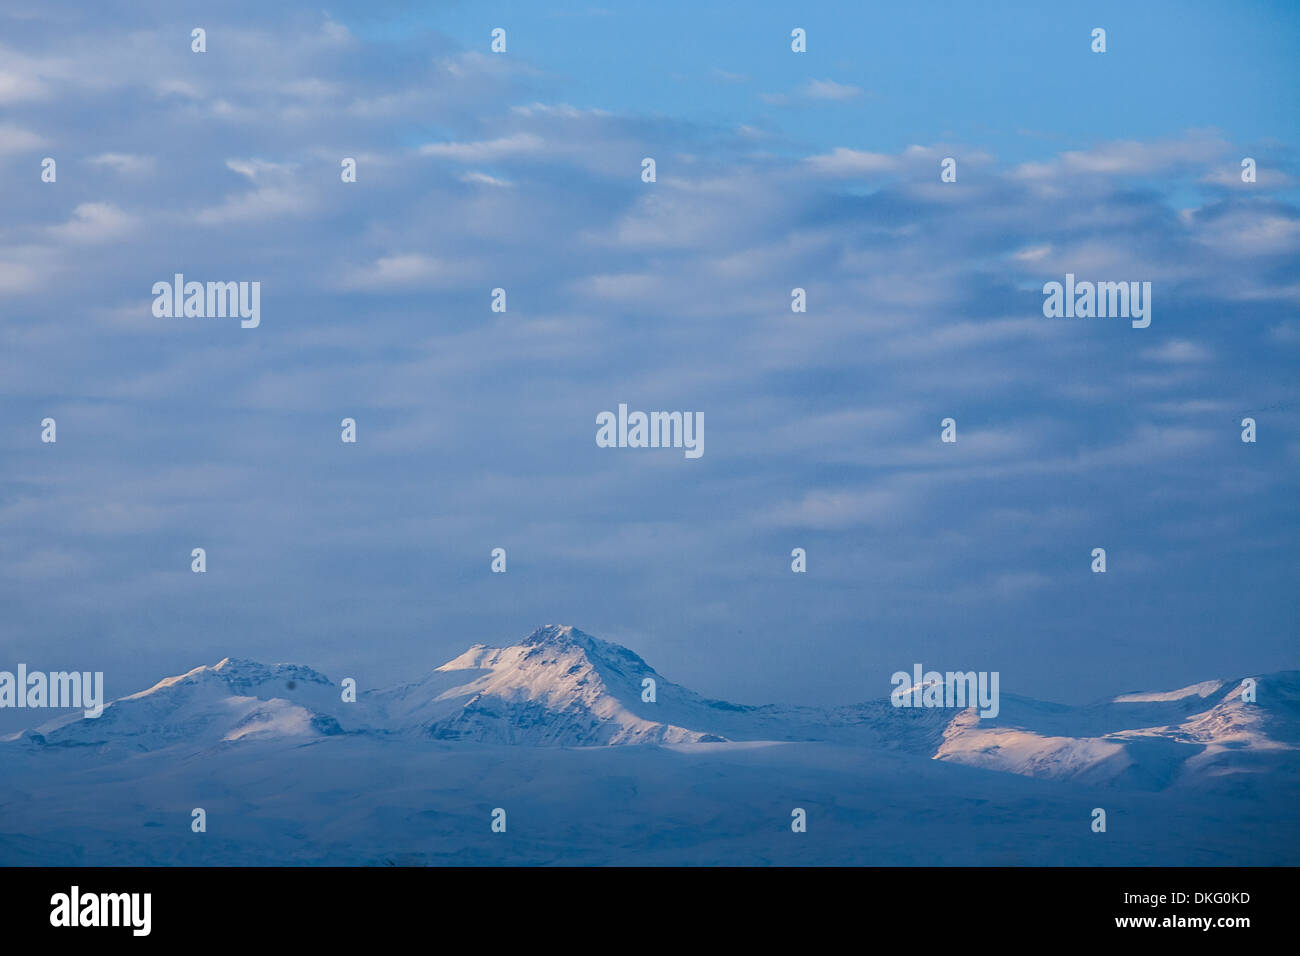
(560, 686)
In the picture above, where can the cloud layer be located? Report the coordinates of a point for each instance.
(476, 428)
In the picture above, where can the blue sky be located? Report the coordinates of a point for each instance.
(1012, 76)
(476, 429)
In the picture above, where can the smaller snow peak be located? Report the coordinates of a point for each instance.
(236, 665)
(1203, 689)
(242, 674)
(478, 657)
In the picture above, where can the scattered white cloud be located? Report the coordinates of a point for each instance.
(94, 222)
(483, 179)
(484, 151)
(1179, 352)
(14, 139)
(125, 163)
(402, 272)
(830, 90)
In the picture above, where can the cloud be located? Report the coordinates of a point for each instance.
(14, 139)
(1249, 233)
(125, 163)
(477, 428)
(1266, 178)
(815, 91)
(483, 151)
(18, 87)
(830, 90)
(279, 192)
(1179, 352)
(837, 509)
(94, 222)
(1032, 253)
(843, 161)
(723, 76)
(483, 179)
(402, 272)
(19, 277)
(1194, 149)
(627, 287)
(1287, 332)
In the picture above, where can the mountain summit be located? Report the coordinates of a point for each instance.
(558, 686)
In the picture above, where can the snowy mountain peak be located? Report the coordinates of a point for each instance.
(241, 671)
(1203, 689)
(558, 685)
(556, 634)
(1202, 732)
(234, 699)
(567, 637)
(241, 676)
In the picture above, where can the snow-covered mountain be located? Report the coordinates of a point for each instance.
(562, 687)
(557, 686)
(229, 701)
(1204, 732)
(288, 772)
